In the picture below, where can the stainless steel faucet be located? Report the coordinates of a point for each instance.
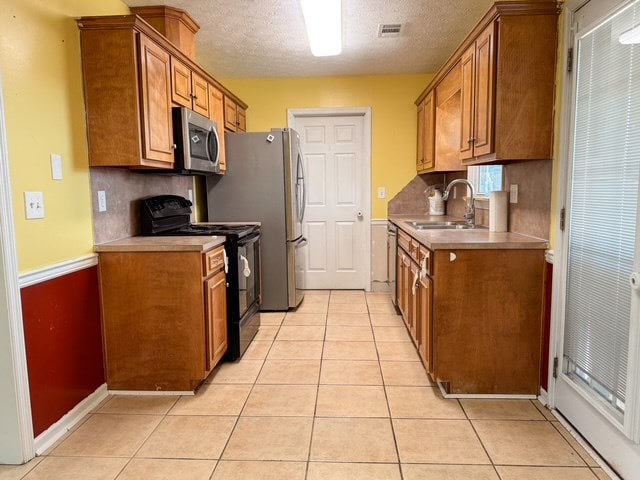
(470, 210)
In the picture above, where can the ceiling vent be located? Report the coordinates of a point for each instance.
(389, 30)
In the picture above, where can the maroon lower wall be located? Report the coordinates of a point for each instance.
(64, 344)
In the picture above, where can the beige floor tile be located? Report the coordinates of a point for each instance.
(196, 437)
(267, 332)
(600, 473)
(312, 307)
(545, 411)
(381, 308)
(108, 435)
(588, 459)
(422, 402)
(378, 297)
(340, 333)
(270, 438)
(357, 307)
(347, 294)
(346, 372)
(167, 469)
(545, 473)
(290, 372)
(349, 319)
(386, 320)
(16, 472)
(301, 332)
(349, 351)
(271, 318)
(281, 401)
(213, 399)
(75, 468)
(257, 350)
(351, 401)
(296, 350)
(351, 299)
(438, 441)
(139, 404)
(448, 472)
(494, 409)
(397, 351)
(391, 334)
(404, 373)
(305, 319)
(236, 470)
(243, 371)
(353, 471)
(525, 443)
(353, 440)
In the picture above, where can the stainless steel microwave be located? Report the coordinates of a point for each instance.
(197, 143)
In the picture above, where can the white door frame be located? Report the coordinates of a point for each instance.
(16, 442)
(365, 112)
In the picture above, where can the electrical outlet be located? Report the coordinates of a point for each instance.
(455, 192)
(56, 167)
(382, 192)
(102, 201)
(513, 193)
(190, 195)
(34, 204)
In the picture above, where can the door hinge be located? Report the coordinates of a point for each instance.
(562, 218)
(570, 60)
(555, 367)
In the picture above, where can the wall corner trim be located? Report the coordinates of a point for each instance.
(52, 434)
(34, 277)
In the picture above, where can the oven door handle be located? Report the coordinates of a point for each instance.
(226, 262)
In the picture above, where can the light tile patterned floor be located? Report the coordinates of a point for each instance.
(333, 390)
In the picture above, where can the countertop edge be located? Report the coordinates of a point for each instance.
(161, 244)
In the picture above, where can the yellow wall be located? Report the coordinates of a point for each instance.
(393, 116)
(44, 114)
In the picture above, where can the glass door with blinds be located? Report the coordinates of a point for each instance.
(598, 378)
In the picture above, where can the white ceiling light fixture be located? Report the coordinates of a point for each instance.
(630, 37)
(323, 19)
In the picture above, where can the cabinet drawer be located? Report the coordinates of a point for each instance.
(213, 260)
(404, 241)
(414, 250)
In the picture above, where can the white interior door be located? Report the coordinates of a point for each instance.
(598, 386)
(337, 211)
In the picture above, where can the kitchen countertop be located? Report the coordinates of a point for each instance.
(199, 243)
(478, 238)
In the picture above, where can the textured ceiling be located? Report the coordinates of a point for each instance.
(260, 38)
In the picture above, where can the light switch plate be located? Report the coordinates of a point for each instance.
(102, 201)
(56, 167)
(34, 205)
(190, 195)
(513, 193)
(382, 192)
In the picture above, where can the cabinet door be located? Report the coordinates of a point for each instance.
(230, 114)
(420, 145)
(406, 289)
(199, 90)
(414, 296)
(155, 73)
(216, 113)
(429, 131)
(467, 65)
(180, 83)
(241, 119)
(484, 93)
(425, 328)
(216, 319)
(400, 280)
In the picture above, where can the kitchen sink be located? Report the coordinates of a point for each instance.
(441, 225)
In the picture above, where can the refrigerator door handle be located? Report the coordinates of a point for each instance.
(301, 242)
(302, 184)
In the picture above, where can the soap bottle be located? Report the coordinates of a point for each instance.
(436, 202)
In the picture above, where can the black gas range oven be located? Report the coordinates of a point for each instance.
(169, 215)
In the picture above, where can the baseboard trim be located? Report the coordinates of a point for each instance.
(52, 434)
(543, 398)
(58, 270)
(151, 392)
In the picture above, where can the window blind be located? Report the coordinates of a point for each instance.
(603, 207)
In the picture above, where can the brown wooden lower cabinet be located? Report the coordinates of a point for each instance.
(476, 317)
(163, 318)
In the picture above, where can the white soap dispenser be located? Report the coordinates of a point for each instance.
(436, 202)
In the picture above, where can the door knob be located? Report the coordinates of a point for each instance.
(359, 214)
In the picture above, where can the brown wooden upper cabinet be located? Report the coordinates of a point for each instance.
(426, 134)
(133, 76)
(235, 117)
(188, 88)
(507, 76)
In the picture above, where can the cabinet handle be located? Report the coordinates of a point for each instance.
(471, 140)
(174, 146)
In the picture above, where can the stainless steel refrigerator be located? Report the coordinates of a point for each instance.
(265, 183)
